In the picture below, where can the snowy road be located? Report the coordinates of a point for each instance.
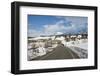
(60, 52)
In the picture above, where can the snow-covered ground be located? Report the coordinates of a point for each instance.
(82, 53)
(83, 43)
(36, 49)
(60, 38)
(80, 47)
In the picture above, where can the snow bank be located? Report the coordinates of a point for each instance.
(82, 53)
(41, 51)
(80, 47)
(60, 38)
(37, 38)
(79, 43)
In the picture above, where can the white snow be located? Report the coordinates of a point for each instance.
(82, 45)
(73, 36)
(59, 33)
(60, 38)
(30, 45)
(31, 54)
(53, 37)
(37, 38)
(79, 36)
(41, 50)
(79, 43)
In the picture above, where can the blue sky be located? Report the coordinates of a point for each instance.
(50, 25)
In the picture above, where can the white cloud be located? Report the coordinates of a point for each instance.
(60, 26)
(52, 29)
(73, 28)
(34, 33)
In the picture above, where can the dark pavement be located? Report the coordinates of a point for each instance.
(60, 52)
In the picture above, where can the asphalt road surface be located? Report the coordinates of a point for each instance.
(60, 52)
